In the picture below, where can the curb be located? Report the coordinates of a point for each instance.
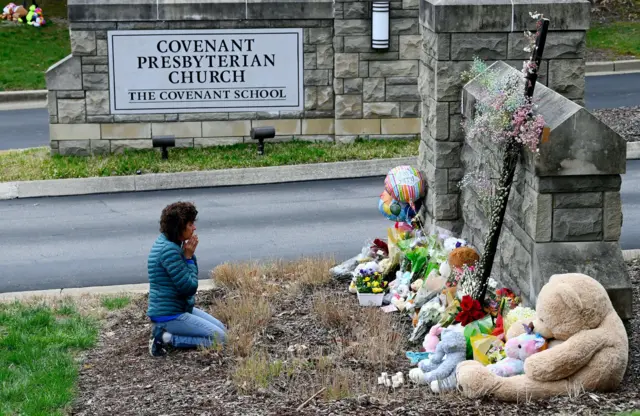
(201, 179)
(8, 97)
(612, 67)
(204, 284)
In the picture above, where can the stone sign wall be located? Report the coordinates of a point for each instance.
(355, 92)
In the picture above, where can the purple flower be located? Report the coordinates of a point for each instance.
(458, 244)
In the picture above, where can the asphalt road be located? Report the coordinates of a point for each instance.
(30, 128)
(82, 241)
(97, 240)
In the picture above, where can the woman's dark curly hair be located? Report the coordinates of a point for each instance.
(175, 218)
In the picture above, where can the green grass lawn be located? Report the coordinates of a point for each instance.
(27, 52)
(37, 164)
(38, 368)
(622, 38)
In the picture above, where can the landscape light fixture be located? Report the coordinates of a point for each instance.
(380, 25)
(261, 133)
(164, 142)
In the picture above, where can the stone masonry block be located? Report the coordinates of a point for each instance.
(410, 110)
(75, 148)
(325, 58)
(179, 130)
(410, 4)
(59, 132)
(83, 42)
(310, 98)
(100, 147)
(52, 103)
(226, 128)
(310, 60)
(120, 146)
(606, 183)
(283, 127)
(486, 46)
(101, 47)
(612, 216)
(353, 86)
(373, 89)
(97, 102)
(410, 46)
(437, 119)
(578, 200)
(447, 155)
(447, 82)
(71, 111)
(396, 126)
(577, 224)
(352, 27)
(566, 77)
(318, 126)
(65, 75)
(316, 77)
(356, 10)
(325, 98)
(320, 35)
(357, 127)
(348, 106)
(363, 69)
(446, 206)
(404, 26)
(559, 45)
(357, 44)
(436, 45)
(402, 93)
(346, 65)
(95, 81)
(407, 68)
(126, 131)
(381, 110)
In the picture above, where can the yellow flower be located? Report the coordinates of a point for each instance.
(368, 284)
(366, 279)
(376, 284)
(376, 290)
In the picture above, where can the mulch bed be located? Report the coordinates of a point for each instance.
(119, 377)
(624, 120)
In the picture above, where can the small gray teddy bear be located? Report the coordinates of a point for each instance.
(439, 370)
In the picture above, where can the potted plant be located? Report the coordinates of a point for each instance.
(371, 288)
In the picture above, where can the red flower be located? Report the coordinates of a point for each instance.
(471, 311)
(499, 329)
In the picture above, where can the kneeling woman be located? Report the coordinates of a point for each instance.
(173, 278)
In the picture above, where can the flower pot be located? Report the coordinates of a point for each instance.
(370, 299)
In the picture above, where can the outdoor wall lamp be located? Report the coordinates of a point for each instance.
(261, 133)
(380, 25)
(164, 142)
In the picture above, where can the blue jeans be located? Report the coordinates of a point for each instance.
(197, 329)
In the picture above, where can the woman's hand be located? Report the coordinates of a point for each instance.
(189, 246)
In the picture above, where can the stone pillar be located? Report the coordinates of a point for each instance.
(376, 92)
(453, 33)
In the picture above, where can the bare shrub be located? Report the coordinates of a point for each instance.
(256, 371)
(246, 316)
(333, 313)
(377, 339)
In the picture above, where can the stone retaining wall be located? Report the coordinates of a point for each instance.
(350, 90)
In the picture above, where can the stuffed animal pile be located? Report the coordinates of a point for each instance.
(19, 14)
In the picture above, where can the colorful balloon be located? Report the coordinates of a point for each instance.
(394, 210)
(405, 184)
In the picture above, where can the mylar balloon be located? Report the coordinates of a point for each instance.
(405, 184)
(394, 210)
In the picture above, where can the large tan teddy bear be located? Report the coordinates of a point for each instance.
(593, 354)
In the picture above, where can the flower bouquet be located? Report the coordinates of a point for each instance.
(371, 287)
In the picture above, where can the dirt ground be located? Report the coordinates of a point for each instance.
(310, 338)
